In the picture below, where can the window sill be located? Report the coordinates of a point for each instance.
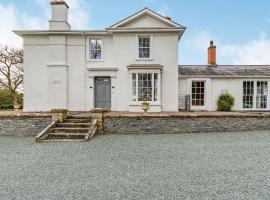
(140, 103)
(95, 60)
(145, 59)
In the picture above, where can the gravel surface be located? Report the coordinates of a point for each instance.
(186, 166)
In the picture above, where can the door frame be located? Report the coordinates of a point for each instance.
(95, 90)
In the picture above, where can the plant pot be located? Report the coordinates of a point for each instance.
(17, 107)
(59, 115)
(145, 106)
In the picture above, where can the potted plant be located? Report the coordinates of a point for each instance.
(145, 105)
(59, 114)
(17, 107)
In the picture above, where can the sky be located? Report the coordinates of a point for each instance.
(240, 28)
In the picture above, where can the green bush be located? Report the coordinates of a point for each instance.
(6, 106)
(5, 97)
(225, 102)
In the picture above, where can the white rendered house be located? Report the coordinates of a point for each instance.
(132, 61)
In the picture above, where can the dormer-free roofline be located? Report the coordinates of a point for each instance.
(150, 12)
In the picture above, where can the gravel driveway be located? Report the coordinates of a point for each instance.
(186, 166)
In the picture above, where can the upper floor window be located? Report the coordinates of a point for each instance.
(144, 46)
(95, 49)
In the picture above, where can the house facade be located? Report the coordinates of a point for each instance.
(132, 61)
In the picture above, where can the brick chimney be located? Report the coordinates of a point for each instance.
(59, 20)
(212, 54)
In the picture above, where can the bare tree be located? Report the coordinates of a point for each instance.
(11, 70)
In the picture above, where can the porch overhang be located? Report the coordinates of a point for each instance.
(145, 66)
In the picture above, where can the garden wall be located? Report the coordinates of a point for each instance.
(167, 125)
(23, 125)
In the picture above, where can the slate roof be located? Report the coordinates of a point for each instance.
(224, 71)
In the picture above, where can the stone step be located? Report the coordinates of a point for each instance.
(77, 120)
(69, 130)
(66, 135)
(63, 140)
(74, 125)
(79, 117)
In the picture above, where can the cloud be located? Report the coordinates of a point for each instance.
(13, 18)
(251, 52)
(199, 41)
(78, 12)
(163, 10)
(10, 19)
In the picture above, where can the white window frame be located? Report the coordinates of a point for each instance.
(151, 56)
(204, 99)
(158, 102)
(255, 95)
(89, 49)
(207, 93)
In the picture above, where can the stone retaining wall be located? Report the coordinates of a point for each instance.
(167, 125)
(23, 125)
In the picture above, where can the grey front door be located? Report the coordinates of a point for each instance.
(103, 92)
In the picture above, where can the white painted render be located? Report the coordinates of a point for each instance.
(216, 86)
(60, 74)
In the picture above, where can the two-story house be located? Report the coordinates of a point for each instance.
(132, 61)
(117, 68)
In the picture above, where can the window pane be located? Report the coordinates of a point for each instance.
(262, 94)
(198, 93)
(248, 91)
(144, 47)
(95, 49)
(147, 87)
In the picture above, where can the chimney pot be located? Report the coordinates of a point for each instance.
(212, 54)
(59, 2)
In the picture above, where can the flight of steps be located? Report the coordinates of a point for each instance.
(74, 128)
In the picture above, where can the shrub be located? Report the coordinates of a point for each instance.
(225, 102)
(6, 106)
(5, 97)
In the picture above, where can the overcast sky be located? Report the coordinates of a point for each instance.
(241, 28)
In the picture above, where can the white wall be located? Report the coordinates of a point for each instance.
(36, 57)
(76, 73)
(165, 53)
(217, 86)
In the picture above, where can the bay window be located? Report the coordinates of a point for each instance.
(145, 87)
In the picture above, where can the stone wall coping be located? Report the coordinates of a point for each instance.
(5, 114)
(188, 115)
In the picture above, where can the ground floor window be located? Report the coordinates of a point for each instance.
(261, 97)
(198, 93)
(248, 93)
(145, 87)
(255, 94)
